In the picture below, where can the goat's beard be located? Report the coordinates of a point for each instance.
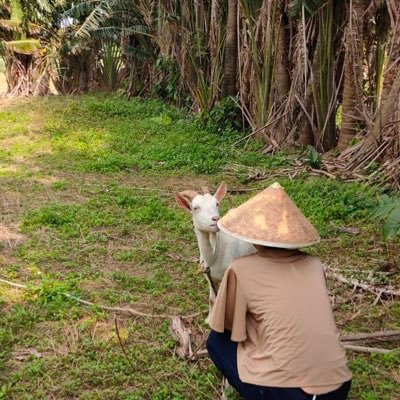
(214, 229)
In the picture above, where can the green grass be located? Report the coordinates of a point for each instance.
(89, 181)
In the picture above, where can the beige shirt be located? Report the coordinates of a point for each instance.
(276, 305)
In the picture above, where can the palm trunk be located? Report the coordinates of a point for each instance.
(282, 77)
(353, 70)
(230, 67)
(324, 95)
(391, 85)
(393, 61)
(382, 23)
(214, 46)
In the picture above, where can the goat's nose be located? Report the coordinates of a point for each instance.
(215, 218)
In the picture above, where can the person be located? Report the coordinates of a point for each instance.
(273, 333)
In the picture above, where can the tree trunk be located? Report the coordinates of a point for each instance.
(324, 76)
(214, 43)
(230, 67)
(282, 78)
(353, 70)
(393, 61)
(391, 86)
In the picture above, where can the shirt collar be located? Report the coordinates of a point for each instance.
(280, 255)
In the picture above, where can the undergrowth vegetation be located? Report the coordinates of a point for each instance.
(87, 191)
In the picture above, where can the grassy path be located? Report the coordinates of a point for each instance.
(86, 208)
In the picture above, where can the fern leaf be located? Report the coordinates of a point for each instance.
(388, 211)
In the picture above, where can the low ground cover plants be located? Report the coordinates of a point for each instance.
(87, 209)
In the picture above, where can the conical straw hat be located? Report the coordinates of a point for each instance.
(270, 219)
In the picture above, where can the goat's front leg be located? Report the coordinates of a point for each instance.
(212, 289)
(211, 297)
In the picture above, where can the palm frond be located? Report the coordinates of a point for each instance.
(10, 25)
(44, 5)
(80, 10)
(26, 46)
(15, 26)
(111, 64)
(16, 10)
(95, 19)
(137, 52)
(309, 6)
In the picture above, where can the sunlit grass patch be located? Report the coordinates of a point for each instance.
(13, 123)
(113, 134)
(11, 295)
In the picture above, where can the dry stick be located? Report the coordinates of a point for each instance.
(330, 108)
(13, 284)
(258, 130)
(149, 83)
(238, 191)
(253, 132)
(381, 150)
(307, 114)
(107, 308)
(208, 274)
(362, 349)
(121, 344)
(368, 336)
(322, 172)
(364, 286)
(351, 347)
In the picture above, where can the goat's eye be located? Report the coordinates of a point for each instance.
(195, 208)
(217, 204)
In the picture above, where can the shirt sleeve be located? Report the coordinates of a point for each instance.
(230, 308)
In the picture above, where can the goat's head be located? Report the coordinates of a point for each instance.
(203, 207)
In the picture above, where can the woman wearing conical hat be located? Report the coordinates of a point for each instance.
(273, 331)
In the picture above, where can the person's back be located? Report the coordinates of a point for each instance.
(291, 336)
(273, 331)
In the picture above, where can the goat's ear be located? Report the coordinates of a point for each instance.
(221, 191)
(182, 202)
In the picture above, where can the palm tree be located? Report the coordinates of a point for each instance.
(25, 66)
(230, 65)
(353, 72)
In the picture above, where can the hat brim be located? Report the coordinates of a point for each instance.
(265, 243)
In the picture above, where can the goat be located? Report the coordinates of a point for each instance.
(217, 249)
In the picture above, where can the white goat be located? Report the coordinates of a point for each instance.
(217, 250)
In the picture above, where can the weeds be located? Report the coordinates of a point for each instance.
(89, 181)
(388, 211)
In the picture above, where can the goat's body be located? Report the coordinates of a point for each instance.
(218, 250)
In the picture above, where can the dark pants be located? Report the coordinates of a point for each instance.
(223, 352)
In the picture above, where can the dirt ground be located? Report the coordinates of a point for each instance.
(3, 83)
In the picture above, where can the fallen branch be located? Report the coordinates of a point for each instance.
(354, 283)
(108, 308)
(18, 285)
(362, 349)
(351, 347)
(182, 336)
(200, 354)
(322, 172)
(370, 336)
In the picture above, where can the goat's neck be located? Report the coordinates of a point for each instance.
(207, 242)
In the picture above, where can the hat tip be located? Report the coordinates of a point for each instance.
(276, 185)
